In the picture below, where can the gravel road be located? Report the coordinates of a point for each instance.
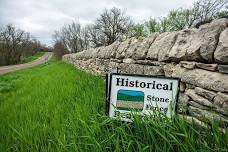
(41, 60)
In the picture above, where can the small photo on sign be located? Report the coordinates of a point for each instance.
(129, 100)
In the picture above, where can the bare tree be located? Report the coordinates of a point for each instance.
(11, 38)
(85, 37)
(73, 37)
(59, 49)
(30, 45)
(72, 34)
(96, 37)
(16, 44)
(112, 25)
(209, 8)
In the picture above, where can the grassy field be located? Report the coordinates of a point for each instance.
(54, 107)
(32, 58)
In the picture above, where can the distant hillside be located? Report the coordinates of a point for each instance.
(126, 97)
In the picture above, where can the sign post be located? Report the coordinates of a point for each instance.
(140, 93)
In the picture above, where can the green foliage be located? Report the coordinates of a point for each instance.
(152, 25)
(53, 107)
(164, 25)
(136, 30)
(223, 14)
(179, 19)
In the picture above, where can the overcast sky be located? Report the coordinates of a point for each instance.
(42, 17)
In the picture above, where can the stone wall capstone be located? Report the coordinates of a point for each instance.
(199, 57)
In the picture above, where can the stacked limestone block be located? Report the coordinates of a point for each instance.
(199, 57)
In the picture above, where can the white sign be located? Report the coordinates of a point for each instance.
(141, 94)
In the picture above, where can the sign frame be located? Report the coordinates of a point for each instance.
(109, 86)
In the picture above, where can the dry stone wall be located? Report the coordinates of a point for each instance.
(199, 57)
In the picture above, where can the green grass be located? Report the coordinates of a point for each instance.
(54, 107)
(32, 58)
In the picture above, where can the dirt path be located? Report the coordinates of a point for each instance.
(11, 68)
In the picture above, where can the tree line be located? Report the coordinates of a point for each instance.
(114, 25)
(110, 26)
(16, 44)
(201, 12)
